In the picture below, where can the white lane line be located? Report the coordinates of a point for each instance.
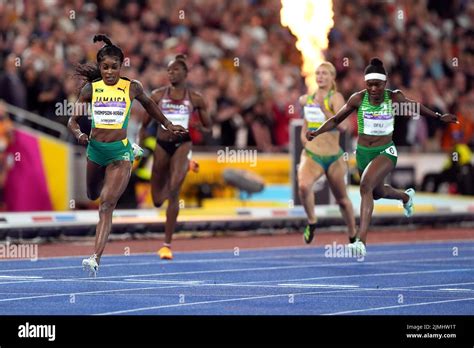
(363, 275)
(233, 258)
(19, 277)
(432, 285)
(207, 302)
(72, 293)
(142, 309)
(306, 285)
(399, 306)
(455, 289)
(345, 289)
(448, 243)
(311, 265)
(172, 282)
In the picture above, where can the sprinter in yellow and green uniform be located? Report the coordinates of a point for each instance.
(110, 110)
(323, 156)
(109, 152)
(376, 153)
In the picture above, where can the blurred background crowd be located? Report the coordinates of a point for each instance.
(244, 62)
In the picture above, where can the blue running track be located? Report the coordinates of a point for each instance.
(393, 279)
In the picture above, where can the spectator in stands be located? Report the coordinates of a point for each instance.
(240, 49)
(457, 170)
(13, 90)
(51, 91)
(6, 137)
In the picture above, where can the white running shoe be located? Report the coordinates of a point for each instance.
(137, 151)
(357, 248)
(408, 206)
(90, 264)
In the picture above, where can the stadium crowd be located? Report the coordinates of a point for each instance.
(244, 62)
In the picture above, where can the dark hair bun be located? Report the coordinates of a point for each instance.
(103, 38)
(181, 57)
(376, 62)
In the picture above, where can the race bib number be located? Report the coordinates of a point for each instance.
(378, 124)
(109, 115)
(314, 116)
(392, 151)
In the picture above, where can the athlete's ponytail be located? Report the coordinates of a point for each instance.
(103, 38)
(90, 72)
(109, 49)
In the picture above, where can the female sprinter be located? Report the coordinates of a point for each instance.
(323, 155)
(173, 151)
(109, 153)
(376, 153)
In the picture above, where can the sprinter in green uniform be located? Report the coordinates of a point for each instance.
(376, 153)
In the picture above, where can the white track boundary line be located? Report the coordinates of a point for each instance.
(311, 265)
(243, 284)
(229, 259)
(210, 302)
(243, 250)
(238, 299)
(399, 306)
(72, 293)
(142, 309)
(366, 275)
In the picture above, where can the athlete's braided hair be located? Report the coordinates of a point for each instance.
(90, 72)
(375, 66)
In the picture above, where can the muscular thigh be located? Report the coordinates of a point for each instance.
(337, 178)
(95, 179)
(308, 171)
(375, 173)
(117, 176)
(160, 171)
(179, 165)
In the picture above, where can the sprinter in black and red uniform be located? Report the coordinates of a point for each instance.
(173, 153)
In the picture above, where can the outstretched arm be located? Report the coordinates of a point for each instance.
(136, 91)
(304, 129)
(84, 97)
(351, 105)
(146, 119)
(201, 107)
(399, 97)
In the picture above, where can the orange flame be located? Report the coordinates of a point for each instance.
(310, 21)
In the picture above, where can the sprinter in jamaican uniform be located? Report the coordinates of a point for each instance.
(109, 152)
